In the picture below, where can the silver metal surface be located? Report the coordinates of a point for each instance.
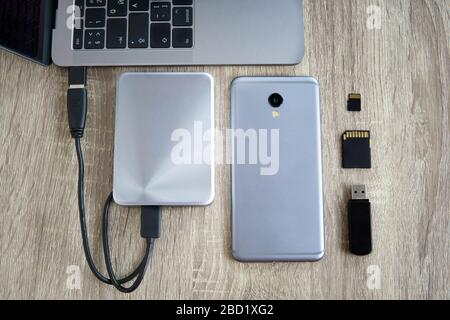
(359, 192)
(225, 32)
(279, 217)
(150, 107)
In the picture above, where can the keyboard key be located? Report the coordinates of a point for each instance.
(94, 39)
(116, 33)
(139, 5)
(79, 8)
(160, 11)
(182, 16)
(95, 18)
(138, 24)
(117, 8)
(182, 2)
(182, 38)
(160, 35)
(95, 3)
(78, 36)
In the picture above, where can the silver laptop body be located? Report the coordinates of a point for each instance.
(206, 32)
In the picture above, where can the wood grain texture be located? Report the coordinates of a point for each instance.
(403, 74)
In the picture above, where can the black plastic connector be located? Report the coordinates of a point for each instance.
(150, 222)
(77, 101)
(77, 111)
(77, 76)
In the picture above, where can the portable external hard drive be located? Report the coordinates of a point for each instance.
(164, 140)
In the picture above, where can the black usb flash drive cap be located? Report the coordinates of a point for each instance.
(359, 222)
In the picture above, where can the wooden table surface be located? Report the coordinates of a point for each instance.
(402, 71)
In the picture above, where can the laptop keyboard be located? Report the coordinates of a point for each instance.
(133, 24)
(20, 25)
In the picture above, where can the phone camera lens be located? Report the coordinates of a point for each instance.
(276, 100)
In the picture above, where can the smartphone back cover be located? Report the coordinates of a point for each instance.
(277, 205)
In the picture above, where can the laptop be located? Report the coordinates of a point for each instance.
(147, 32)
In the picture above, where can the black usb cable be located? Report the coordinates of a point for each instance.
(77, 103)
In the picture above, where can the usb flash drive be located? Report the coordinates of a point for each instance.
(359, 222)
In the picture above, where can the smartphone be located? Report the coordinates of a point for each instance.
(276, 154)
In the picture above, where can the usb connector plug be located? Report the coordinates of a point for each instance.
(77, 101)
